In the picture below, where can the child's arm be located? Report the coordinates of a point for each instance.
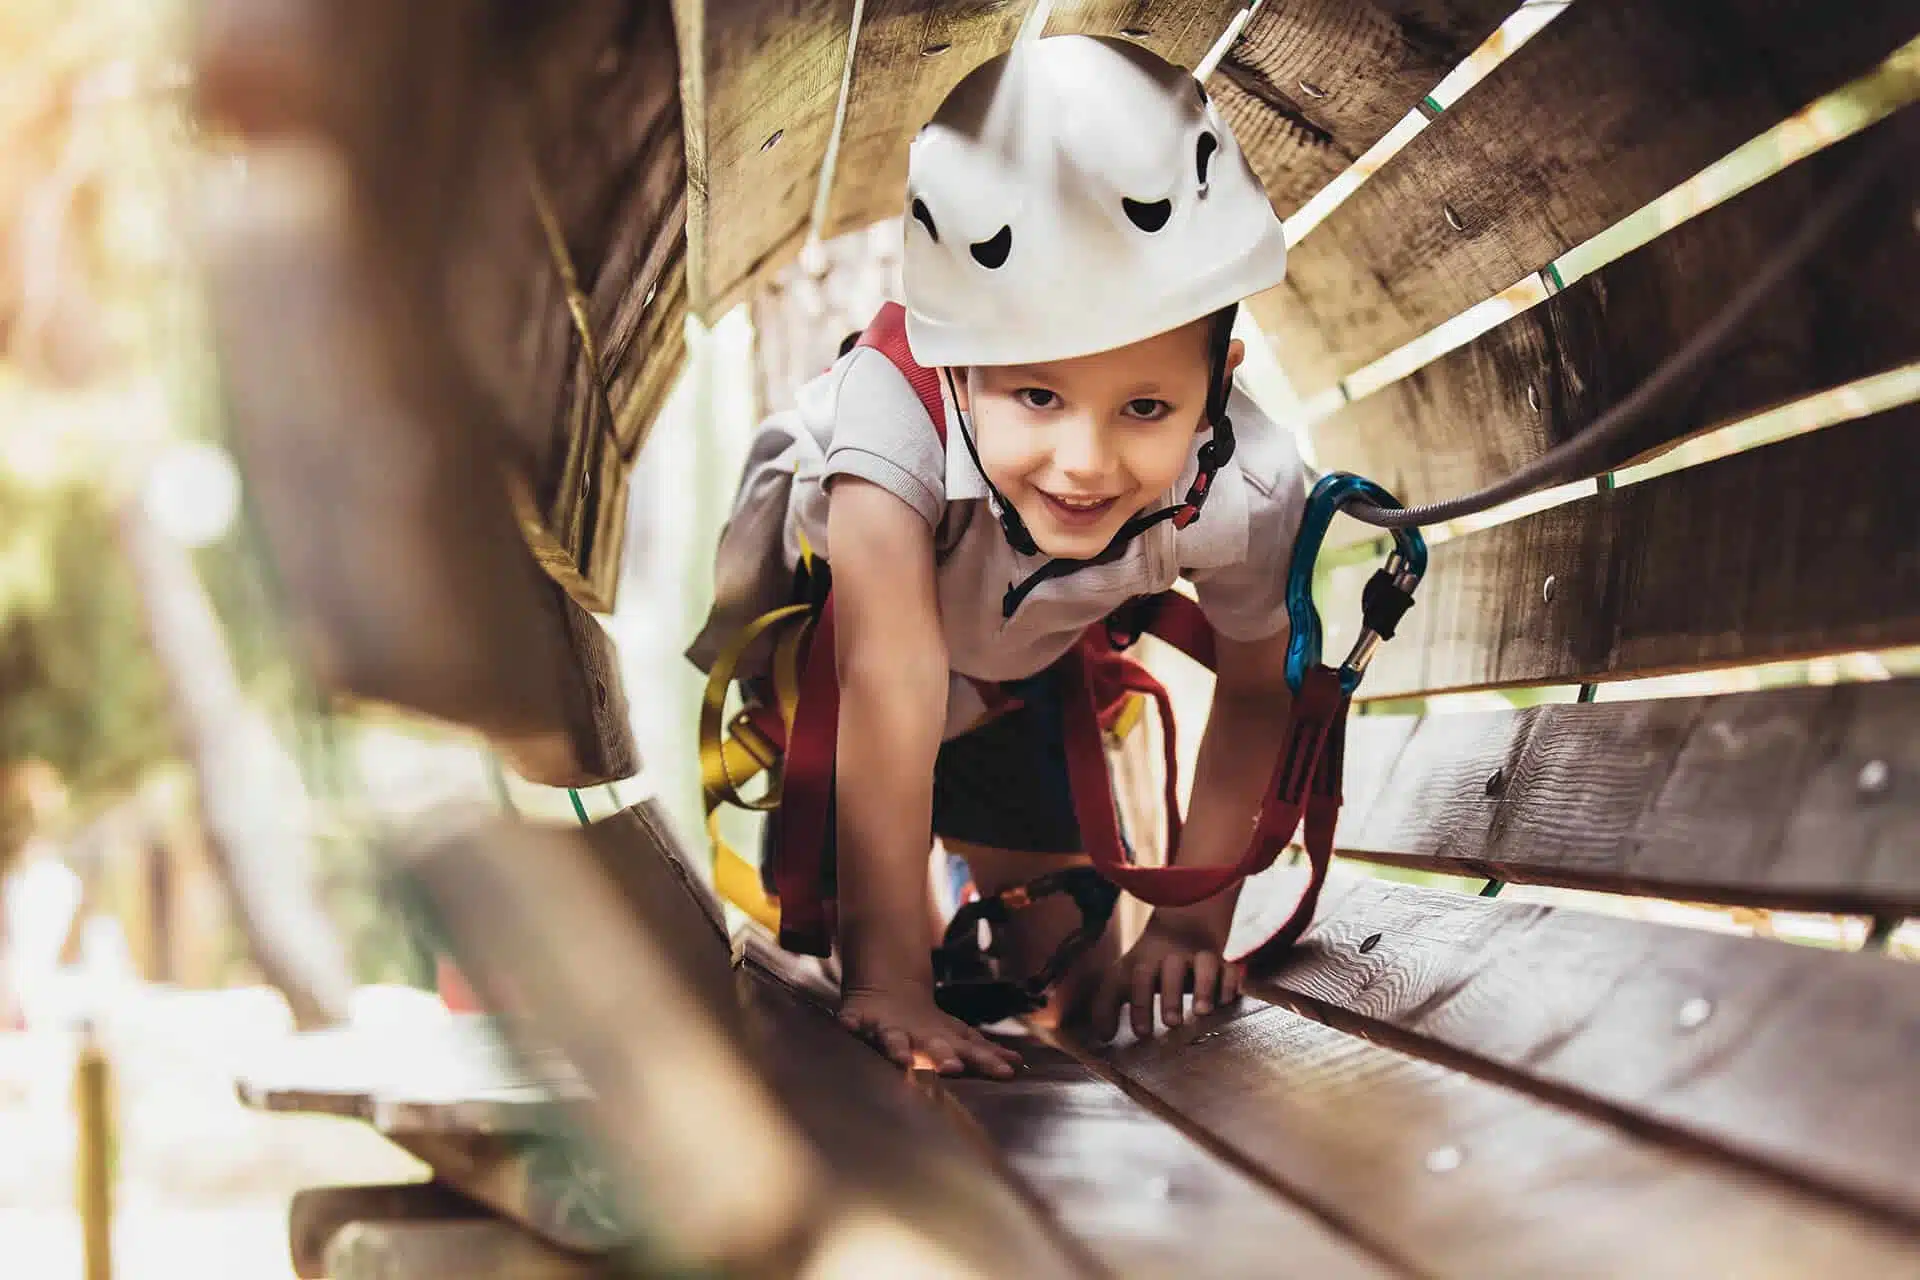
(892, 659)
(1251, 704)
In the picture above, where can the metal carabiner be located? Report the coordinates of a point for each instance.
(1403, 570)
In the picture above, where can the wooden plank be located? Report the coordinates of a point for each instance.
(887, 1142)
(1451, 1176)
(1144, 1197)
(563, 939)
(483, 1250)
(1309, 86)
(1800, 548)
(908, 55)
(1179, 32)
(1608, 107)
(759, 83)
(1688, 1036)
(1479, 412)
(1806, 799)
(317, 1214)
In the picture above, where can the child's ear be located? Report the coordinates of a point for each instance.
(1236, 352)
(963, 398)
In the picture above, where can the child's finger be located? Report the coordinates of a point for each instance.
(897, 1045)
(1230, 983)
(1173, 986)
(1206, 976)
(1141, 999)
(945, 1060)
(987, 1058)
(1106, 1003)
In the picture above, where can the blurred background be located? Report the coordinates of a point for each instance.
(112, 914)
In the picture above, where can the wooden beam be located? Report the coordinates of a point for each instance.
(887, 1142)
(1311, 85)
(1608, 107)
(1447, 1174)
(760, 80)
(1479, 412)
(1690, 1037)
(317, 1214)
(1793, 550)
(483, 1250)
(1806, 799)
(1179, 32)
(1141, 1195)
(908, 55)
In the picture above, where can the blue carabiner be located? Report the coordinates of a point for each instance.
(1406, 566)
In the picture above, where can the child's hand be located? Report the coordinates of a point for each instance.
(900, 1022)
(1174, 947)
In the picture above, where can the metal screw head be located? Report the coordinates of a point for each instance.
(1546, 589)
(1695, 1011)
(1454, 220)
(773, 140)
(1369, 942)
(1312, 90)
(1874, 777)
(1496, 782)
(1445, 1159)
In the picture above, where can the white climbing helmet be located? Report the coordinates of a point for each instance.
(1073, 195)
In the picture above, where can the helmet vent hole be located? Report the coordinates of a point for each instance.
(1149, 216)
(992, 254)
(925, 218)
(1203, 155)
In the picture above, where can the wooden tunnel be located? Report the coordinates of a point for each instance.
(450, 302)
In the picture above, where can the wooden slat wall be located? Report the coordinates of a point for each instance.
(909, 54)
(1449, 1175)
(1181, 31)
(1800, 548)
(1804, 798)
(1611, 105)
(1309, 86)
(760, 80)
(1704, 1034)
(1477, 413)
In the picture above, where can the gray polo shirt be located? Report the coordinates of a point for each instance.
(861, 418)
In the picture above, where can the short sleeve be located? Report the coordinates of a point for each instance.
(1247, 600)
(881, 433)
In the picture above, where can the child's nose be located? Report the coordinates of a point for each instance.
(1082, 450)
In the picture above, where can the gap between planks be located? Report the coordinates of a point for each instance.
(1204, 1138)
(1567, 1098)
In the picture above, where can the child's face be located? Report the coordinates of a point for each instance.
(1081, 446)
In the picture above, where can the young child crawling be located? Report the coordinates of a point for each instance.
(1081, 226)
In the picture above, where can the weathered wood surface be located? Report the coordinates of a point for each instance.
(320, 1213)
(1310, 86)
(1806, 799)
(1179, 32)
(887, 1143)
(1800, 548)
(1142, 1195)
(1608, 107)
(569, 934)
(907, 56)
(1447, 1175)
(760, 80)
(484, 1250)
(1787, 1057)
(1479, 412)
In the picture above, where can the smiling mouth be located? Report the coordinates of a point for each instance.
(1077, 510)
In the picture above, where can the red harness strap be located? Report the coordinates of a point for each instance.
(1097, 678)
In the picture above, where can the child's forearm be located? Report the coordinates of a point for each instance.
(1243, 736)
(891, 714)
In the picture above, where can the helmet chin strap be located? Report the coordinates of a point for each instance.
(1213, 455)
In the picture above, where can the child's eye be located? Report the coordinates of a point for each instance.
(1148, 409)
(1036, 397)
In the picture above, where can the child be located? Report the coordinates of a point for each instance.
(1080, 228)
